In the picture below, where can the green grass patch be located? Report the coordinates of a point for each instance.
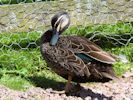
(124, 50)
(127, 51)
(107, 29)
(105, 35)
(27, 67)
(19, 40)
(15, 82)
(121, 68)
(21, 64)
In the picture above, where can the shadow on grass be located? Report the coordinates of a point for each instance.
(44, 82)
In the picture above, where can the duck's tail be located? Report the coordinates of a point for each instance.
(102, 71)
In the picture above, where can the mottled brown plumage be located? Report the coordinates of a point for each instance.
(75, 57)
(62, 58)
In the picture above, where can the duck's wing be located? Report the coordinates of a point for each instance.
(67, 59)
(86, 49)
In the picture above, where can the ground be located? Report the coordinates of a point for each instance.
(121, 89)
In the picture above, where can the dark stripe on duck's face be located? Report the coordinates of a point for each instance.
(54, 38)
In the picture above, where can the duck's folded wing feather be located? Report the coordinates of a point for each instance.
(71, 62)
(84, 47)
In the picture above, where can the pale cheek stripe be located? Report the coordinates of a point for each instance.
(58, 28)
(58, 20)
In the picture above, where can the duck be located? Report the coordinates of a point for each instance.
(74, 58)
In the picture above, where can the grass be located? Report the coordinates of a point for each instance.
(23, 68)
(15, 82)
(108, 29)
(127, 51)
(21, 64)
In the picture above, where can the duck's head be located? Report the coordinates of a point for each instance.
(60, 23)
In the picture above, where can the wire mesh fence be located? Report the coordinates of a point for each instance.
(108, 23)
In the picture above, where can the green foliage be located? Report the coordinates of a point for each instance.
(121, 68)
(127, 51)
(124, 50)
(118, 28)
(15, 82)
(21, 64)
(27, 67)
(19, 40)
(105, 35)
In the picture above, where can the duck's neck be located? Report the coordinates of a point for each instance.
(54, 38)
(46, 37)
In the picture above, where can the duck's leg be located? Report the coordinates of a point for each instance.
(68, 85)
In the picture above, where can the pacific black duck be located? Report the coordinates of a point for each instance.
(73, 57)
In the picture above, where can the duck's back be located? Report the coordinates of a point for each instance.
(80, 57)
